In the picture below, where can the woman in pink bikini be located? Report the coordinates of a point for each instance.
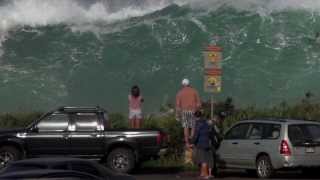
(135, 111)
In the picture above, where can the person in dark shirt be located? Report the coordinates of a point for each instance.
(203, 154)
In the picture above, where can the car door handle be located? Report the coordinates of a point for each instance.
(65, 136)
(256, 143)
(94, 135)
(235, 143)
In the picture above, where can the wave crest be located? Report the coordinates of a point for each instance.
(51, 12)
(78, 12)
(84, 15)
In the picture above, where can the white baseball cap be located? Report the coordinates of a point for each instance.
(185, 82)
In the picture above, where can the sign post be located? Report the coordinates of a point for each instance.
(212, 71)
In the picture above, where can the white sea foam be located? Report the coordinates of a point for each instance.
(84, 15)
(268, 6)
(79, 12)
(73, 12)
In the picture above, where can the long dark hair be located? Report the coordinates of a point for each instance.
(135, 91)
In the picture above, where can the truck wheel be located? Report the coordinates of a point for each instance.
(121, 160)
(264, 167)
(8, 154)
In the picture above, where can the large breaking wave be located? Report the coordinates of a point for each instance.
(17, 13)
(83, 14)
(55, 52)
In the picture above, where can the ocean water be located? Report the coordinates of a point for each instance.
(79, 52)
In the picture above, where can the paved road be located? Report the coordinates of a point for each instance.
(236, 175)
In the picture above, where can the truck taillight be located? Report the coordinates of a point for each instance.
(161, 138)
(284, 148)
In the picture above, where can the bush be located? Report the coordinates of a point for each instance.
(172, 127)
(118, 121)
(19, 119)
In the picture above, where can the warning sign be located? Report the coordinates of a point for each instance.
(212, 59)
(212, 83)
(213, 70)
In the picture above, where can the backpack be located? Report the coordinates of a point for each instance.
(214, 137)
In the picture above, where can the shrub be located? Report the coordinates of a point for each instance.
(18, 119)
(118, 121)
(172, 127)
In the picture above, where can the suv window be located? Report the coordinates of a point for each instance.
(54, 122)
(86, 121)
(238, 132)
(255, 131)
(271, 131)
(301, 133)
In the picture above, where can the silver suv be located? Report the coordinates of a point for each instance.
(263, 146)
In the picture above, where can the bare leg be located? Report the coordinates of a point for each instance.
(204, 170)
(192, 132)
(138, 123)
(210, 172)
(131, 122)
(135, 123)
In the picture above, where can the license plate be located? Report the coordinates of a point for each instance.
(310, 150)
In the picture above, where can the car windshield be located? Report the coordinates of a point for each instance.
(301, 133)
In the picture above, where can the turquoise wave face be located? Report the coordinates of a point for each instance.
(267, 59)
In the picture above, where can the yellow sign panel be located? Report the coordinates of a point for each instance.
(212, 59)
(212, 83)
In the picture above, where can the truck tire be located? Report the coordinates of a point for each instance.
(121, 160)
(8, 154)
(264, 167)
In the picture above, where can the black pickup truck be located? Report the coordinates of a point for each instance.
(82, 132)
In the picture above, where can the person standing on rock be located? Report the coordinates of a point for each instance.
(135, 107)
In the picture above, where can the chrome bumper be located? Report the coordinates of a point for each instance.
(292, 162)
